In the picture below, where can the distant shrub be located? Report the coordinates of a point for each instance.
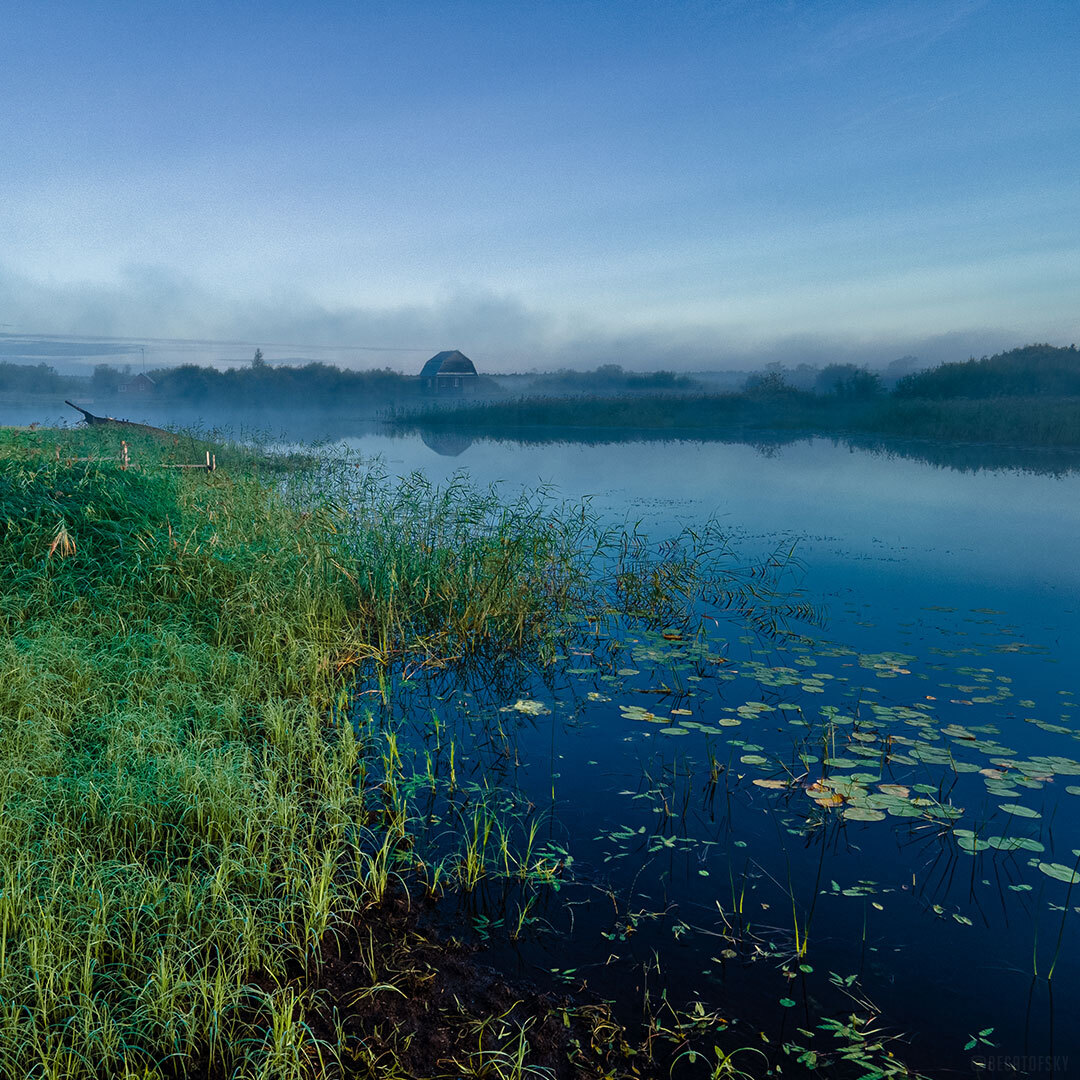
(31, 379)
(850, 382)
(1030, 371)
(769, 385)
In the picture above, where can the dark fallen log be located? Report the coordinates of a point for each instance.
(111, 421)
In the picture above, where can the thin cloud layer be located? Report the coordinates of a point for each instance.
(501, 332)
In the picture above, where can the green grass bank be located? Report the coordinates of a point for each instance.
(193, 827)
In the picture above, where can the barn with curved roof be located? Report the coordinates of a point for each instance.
(448, 372)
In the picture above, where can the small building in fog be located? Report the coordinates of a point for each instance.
(139, 384)
(449, 372)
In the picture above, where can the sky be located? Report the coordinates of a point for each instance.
(681, 184)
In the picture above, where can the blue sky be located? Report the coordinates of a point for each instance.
(679, 184)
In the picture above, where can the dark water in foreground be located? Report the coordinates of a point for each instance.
(880, 820)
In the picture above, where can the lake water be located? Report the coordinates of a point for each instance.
(877, 818)
(881, 819)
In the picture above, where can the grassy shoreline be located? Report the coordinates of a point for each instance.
(209, 860)
(1025, 421)
(199, 832)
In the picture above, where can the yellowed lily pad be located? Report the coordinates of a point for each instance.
(529, 707)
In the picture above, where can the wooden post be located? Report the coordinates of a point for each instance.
(123, 455)
(208, 461)
(213, 463)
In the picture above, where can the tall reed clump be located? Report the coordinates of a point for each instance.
(183, 802)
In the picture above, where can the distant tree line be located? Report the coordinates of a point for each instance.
(1038, 370)
(607, 378)
(1030, 371)
(33, 379)
(312, 385)
(1025, 397)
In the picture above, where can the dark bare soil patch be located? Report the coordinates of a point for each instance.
(395, 995)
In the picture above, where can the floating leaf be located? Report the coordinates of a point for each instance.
(1019, 810)
(863, 813)
(1060, 872)
(530, 707)
(823, 796)
(1014, 843)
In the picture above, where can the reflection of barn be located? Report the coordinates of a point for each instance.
(448, 372)
(446, 443)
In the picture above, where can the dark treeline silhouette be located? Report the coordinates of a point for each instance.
(850, 382)
(34, 379)
(311, 386)
(1030, 371)
(1028, 396)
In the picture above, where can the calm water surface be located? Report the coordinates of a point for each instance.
(898, 795)
(879, 818)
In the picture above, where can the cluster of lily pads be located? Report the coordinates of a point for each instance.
(817, 734)
(866, 758)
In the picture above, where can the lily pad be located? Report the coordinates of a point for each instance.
(1014, 843)
(1060, 872)
(899, 790)
(530, 707)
